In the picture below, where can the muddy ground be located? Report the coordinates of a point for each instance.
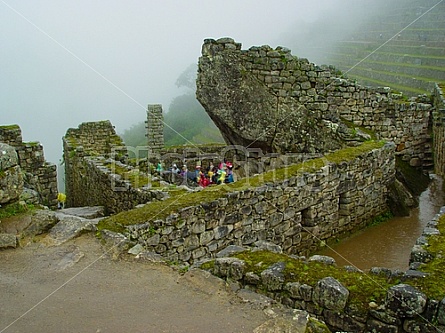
(77, 287)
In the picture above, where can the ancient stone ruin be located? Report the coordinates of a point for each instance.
(268, 98)
(24, 173)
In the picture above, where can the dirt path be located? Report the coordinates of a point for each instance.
(42, 289)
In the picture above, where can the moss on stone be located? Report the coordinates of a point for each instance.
(183, 199)
(315, 326)
(363, 287)
(10, 127)
(14, 209)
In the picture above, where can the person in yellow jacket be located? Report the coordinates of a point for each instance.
(61, 198)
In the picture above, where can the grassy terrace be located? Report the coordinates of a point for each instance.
(181, 199)
(341, 62)
(379, 83)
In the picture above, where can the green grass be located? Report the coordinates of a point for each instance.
(182, 199)
(14, 209)
(136, 178)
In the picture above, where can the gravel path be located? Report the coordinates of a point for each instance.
(75, 287)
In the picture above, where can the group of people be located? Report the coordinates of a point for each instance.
(212, 174)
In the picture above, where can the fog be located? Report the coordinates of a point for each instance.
(68, 62)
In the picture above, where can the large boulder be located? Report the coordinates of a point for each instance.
(11, 178)
(252, 97)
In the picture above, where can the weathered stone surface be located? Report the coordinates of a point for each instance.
(150, 256)
(230, 250)
(30, 197)
(7, 240)
(342, 321)
(115, 243)
(414, 326)
(323, 259)
(8, 157)
(256, 300)
(405, 301)
(85, 212)
(293, 289)
(413, 274)
(330, 294)
(419, 254)
(232, 268)
(72, 256)
(273, 278)
(138, 248)
(41, 221)
(290, 320)
(267, 246)
(11, 184)
(69, 227)
(375, 326)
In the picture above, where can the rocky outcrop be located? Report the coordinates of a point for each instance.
(252, 113)
(267, 98)
(11, 179)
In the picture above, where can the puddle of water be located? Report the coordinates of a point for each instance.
(389, 244)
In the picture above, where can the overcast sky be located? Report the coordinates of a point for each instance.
(68, 62)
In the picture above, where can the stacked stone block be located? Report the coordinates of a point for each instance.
(155, 129)
(89, 181)
(297, 214)
(323, 91)
(39, 175)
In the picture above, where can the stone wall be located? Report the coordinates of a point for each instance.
(405, 307)
(439, 131)
(39, 175)
(268, 98)
(93, 155)
(297, 214)
(155, 130)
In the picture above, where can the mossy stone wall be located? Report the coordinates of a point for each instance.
(89, 181)
(298, 213)
(39, 175)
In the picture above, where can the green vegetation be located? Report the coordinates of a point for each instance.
(10, 127)
(136, 178)
(14, 209)
(182, 199)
